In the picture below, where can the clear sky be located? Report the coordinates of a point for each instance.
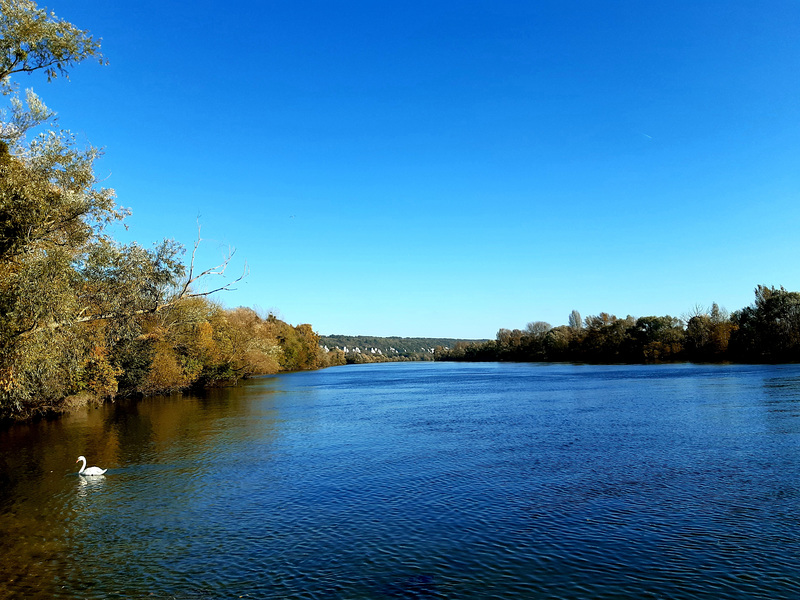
(450, 168)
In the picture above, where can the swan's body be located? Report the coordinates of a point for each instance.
(90, 470)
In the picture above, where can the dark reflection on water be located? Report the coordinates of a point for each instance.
(418, 481)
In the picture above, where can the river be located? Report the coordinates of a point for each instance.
(418, 480)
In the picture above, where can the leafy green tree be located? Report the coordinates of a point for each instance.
(769, 329)
(82, 316)
(656, 339)
(606, 338)
(510, 345)
(533, 342)
(300, 346)
(699, 332)
(35, 40)
(59, 270)
(708, 336)
(559, 343)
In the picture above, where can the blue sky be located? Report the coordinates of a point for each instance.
(451, 168)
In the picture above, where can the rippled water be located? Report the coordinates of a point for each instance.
(418, 480)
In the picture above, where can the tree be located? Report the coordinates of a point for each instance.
(68, 291)
(708, 335)
(533, 342)
(655, 339)
(34, 40)
(769, 329)
(575, 322)
(606, 338)
(537, 328)
(510, 344)
(52, 215)
(558, 342)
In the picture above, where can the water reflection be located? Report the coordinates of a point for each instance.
(411, 481)
(88, 485)
(161, 452)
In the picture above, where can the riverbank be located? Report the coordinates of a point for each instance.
(768, 331)
(194, 344)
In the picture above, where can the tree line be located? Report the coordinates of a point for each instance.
(766, 331)
(83, 317)
(359, 349)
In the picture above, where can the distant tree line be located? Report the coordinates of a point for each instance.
(359, 349)
(766, 331)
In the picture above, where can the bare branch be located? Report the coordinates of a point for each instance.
(184, 293)
(215, 270)
(225, 288)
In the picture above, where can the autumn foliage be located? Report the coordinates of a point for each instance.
(194, 344)
(84, 318)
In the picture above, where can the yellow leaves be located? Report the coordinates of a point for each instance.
(7, 379)
(165, 372)
(99, 376)
(191, 343)
(204, 333)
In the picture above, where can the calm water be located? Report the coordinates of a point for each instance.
(418, 480)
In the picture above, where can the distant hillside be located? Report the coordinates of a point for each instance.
(391, 348)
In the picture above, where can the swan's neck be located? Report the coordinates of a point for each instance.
(83, 465)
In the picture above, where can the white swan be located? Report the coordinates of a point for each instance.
(90, 470)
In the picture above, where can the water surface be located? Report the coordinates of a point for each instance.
(418, 480)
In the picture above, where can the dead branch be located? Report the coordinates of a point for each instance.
(184, 293)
